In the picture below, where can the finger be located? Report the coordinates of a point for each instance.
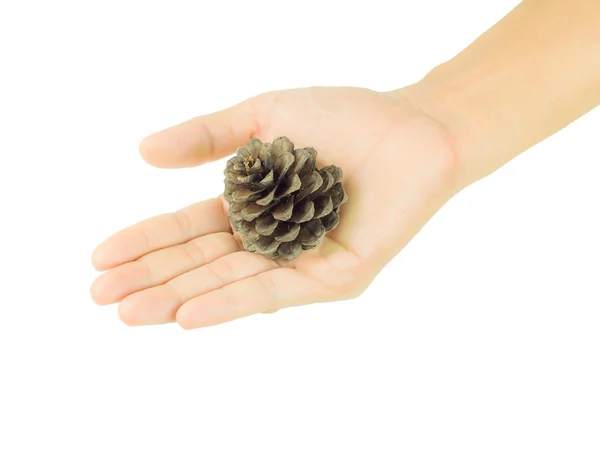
(264, 292)
(161, 231)
(159, 304)
(158, 267)
(202, 139)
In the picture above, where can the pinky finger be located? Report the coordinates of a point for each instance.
(265, 292)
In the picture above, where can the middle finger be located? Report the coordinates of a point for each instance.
(158, 267)
(160, 304)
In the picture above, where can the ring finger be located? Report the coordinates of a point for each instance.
(158, 267)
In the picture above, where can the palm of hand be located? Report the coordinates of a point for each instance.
(398, 170)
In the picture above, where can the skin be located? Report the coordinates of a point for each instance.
(188, 266)
(404, 154)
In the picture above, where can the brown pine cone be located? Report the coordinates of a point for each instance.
(279, 202)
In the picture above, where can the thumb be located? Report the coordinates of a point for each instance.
(202, 139)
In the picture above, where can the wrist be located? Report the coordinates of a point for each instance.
(516, 84)
(446, 102)
(445, 95)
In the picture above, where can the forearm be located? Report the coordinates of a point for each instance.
(530, 75)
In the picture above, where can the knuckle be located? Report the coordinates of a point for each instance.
(148, 272)
(183, 222)
(194, 251)
(269, 288)
(222, 270)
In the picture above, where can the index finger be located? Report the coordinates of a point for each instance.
(202, 139)
(162, 231)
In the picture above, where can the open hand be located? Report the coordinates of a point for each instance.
(399, 169)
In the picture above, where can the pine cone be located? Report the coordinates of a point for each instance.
(279, 202)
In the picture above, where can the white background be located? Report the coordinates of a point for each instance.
(481, 338)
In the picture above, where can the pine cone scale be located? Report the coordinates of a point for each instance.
(283, 164)
(284, 211)
(323, 206)
(267, 199)
(266, 224)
